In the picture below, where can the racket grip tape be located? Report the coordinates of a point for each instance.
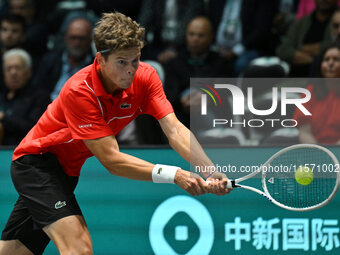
(231, 184)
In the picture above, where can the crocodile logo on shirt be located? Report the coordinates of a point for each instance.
(125, 106)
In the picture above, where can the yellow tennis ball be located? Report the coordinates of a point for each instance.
(304, 175)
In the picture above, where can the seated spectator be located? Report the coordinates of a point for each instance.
(165, 21)
(12, 32)
(284, 18)
(306, 7)
(306, 37)
(57, 39)
(335, 37)
(197, 60)
(323, 126)
(336, 26)
(36, 33)
(60, 64)
(12, 35)
(130, 8)
(3, 8)
(20, 106)
(243, 29)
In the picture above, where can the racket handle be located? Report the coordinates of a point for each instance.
(229, 185)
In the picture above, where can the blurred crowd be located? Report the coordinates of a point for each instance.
(44, 42)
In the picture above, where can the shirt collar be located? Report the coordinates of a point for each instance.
(99, 88)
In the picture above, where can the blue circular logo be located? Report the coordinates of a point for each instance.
(196, 211)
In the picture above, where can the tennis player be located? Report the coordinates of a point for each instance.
(93, 106)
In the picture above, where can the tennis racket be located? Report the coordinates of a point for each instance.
(281, 187)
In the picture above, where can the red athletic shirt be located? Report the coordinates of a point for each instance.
(325, 119)
(83, 110)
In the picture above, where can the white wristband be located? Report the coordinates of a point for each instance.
(164, 173)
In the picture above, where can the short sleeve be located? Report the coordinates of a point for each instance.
(84, 116)
(155, 102)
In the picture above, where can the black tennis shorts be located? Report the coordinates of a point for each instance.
(45, 196)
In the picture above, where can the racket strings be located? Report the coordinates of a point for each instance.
(284, 188)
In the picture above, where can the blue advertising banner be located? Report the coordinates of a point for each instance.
(133, 217)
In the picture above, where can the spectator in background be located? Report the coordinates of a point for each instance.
(165, 21)
(243, 29)
(12, 32)
(306, 7)
(4, 5)
(323, 126)
(336, 26)
(284, 18)
(20, 106)
(36, 33)
(306, 37)
(335, 37)
(12, 35)
(128, 7)
(197, 60)
(58, 66)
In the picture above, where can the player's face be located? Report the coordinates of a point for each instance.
(119, 69)
(330, 66)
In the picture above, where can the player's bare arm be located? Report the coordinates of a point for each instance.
(306, 134)
(121, 164)
(185, 144)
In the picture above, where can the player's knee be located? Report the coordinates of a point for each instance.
(85, 251)
(83, 247)
(78, 251)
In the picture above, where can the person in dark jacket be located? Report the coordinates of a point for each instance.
(59, 65)
(243, 29)
(36, 32)
(306, 37)
(166, 22)
(20, 106)
(196, 60)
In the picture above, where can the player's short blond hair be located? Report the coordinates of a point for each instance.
(115, 31)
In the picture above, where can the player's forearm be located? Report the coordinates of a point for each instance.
(306, 134)
(199, 158)
(131, 167)
(307, 138)
(186, 145)
(128, 166)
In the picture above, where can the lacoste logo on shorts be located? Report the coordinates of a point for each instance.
(159, 171)
(60, 204)
(125, 106)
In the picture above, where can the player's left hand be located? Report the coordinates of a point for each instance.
(217, 184)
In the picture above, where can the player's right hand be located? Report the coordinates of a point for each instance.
(217, 184)
(191, 182)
